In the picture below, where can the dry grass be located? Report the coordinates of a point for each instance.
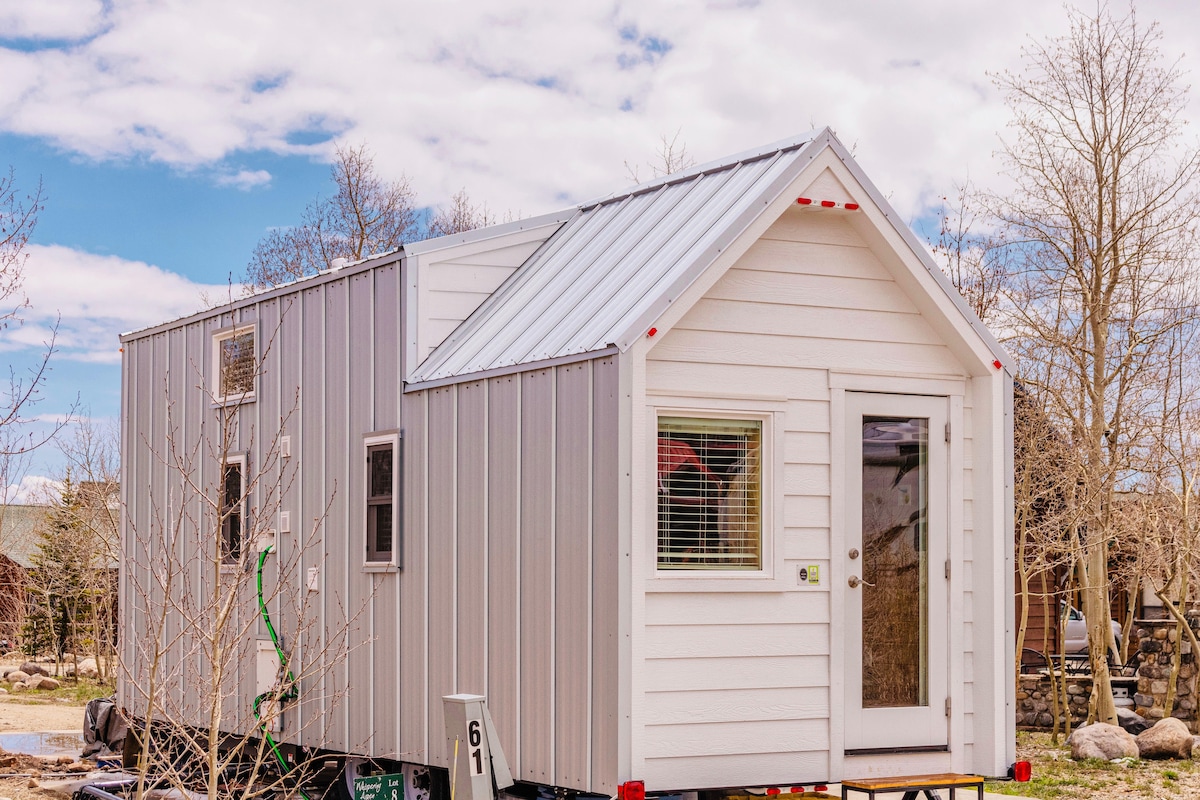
(1056, 776)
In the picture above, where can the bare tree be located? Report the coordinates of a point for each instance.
(18, 218)
(975, 262)
(462, 215)
(205, 575)
(365, 216)
(1100, 232)
(671, 157)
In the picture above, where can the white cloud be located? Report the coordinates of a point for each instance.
(31, 490)
(245, 179)
(61, 19)
(94, 298)
(534, 103)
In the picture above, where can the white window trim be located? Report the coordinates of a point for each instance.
(217, 337)
(230, 565)
(394, 438)
(763, 579)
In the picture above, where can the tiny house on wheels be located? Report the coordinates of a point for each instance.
(702, 484)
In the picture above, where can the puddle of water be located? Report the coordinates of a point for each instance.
(47, 743)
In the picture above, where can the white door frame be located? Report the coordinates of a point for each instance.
(920, 726)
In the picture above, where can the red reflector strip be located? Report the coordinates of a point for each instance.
(821, 788)
(852, 206)
(997, 364)
(804, 201)
(774, 790)
(828, 204)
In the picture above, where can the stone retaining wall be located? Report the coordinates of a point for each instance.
(1155, 642)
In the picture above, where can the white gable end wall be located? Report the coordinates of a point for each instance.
(741, 675)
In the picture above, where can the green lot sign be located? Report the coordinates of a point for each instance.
(379, 787)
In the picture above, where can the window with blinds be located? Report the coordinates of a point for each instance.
(709, 493)
(232, 509)
(380, 502)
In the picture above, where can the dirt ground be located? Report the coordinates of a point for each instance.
(25, 777)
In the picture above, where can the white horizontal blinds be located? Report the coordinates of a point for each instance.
(232, 492)
(237, 363)
(709, 493)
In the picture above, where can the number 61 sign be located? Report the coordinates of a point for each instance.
(478, 767)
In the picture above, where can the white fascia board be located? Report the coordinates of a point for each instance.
(490, 232)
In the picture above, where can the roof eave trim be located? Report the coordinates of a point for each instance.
(511, 369)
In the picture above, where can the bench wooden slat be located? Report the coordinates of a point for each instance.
(938, 780)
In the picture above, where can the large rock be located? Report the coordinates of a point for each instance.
(30, 668)
(16, 676)
(48, 684)
(1169, 738)
(88, 668)
(1102, 740)
(1132, 721)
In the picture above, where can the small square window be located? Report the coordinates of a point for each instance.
(382, 506)
(709, 494)
(233, 509)
(235, 365)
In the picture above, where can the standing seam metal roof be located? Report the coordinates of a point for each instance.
(618, 264)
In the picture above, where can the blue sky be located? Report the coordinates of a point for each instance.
(170, 135)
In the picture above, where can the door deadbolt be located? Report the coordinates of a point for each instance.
(854, 582)
(853, 553)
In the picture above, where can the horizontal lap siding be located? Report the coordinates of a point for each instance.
(737, 684)
(523, 559)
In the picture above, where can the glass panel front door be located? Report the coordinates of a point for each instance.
(895, 554)
(895, 589)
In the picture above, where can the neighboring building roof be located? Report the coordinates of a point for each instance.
(612, 270)
(18, 532)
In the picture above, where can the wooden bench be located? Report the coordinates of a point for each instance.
(912, 785)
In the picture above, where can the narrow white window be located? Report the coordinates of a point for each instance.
(383, 499)
(709, 494)
(234, 364)
(233, 508)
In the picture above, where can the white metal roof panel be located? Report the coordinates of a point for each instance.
(614, 267)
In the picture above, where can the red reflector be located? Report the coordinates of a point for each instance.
(774, 790)
(821, 788)
(997, 364)
(852, 206)
(652, 331)
(804, 201)
(1021, 771)
(828, 203)
(797, 789)
(632, 790)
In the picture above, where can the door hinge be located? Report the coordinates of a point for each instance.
(947, 433)
(947, 706)
(947, 569)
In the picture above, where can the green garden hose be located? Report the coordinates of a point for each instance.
(289, 680)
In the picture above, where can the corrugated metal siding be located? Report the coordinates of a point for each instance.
(513, 488)
(617, 264)
(572, 573)
(537, 575)
(605, 584)
(504, 562)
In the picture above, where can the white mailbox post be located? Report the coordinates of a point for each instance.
(480, 769)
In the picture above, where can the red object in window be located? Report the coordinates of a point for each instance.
(804, 201)
(632, 790)
(828, 203)
(852, 206)
(1021, 771)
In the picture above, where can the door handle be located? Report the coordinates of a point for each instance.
(855, 581)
